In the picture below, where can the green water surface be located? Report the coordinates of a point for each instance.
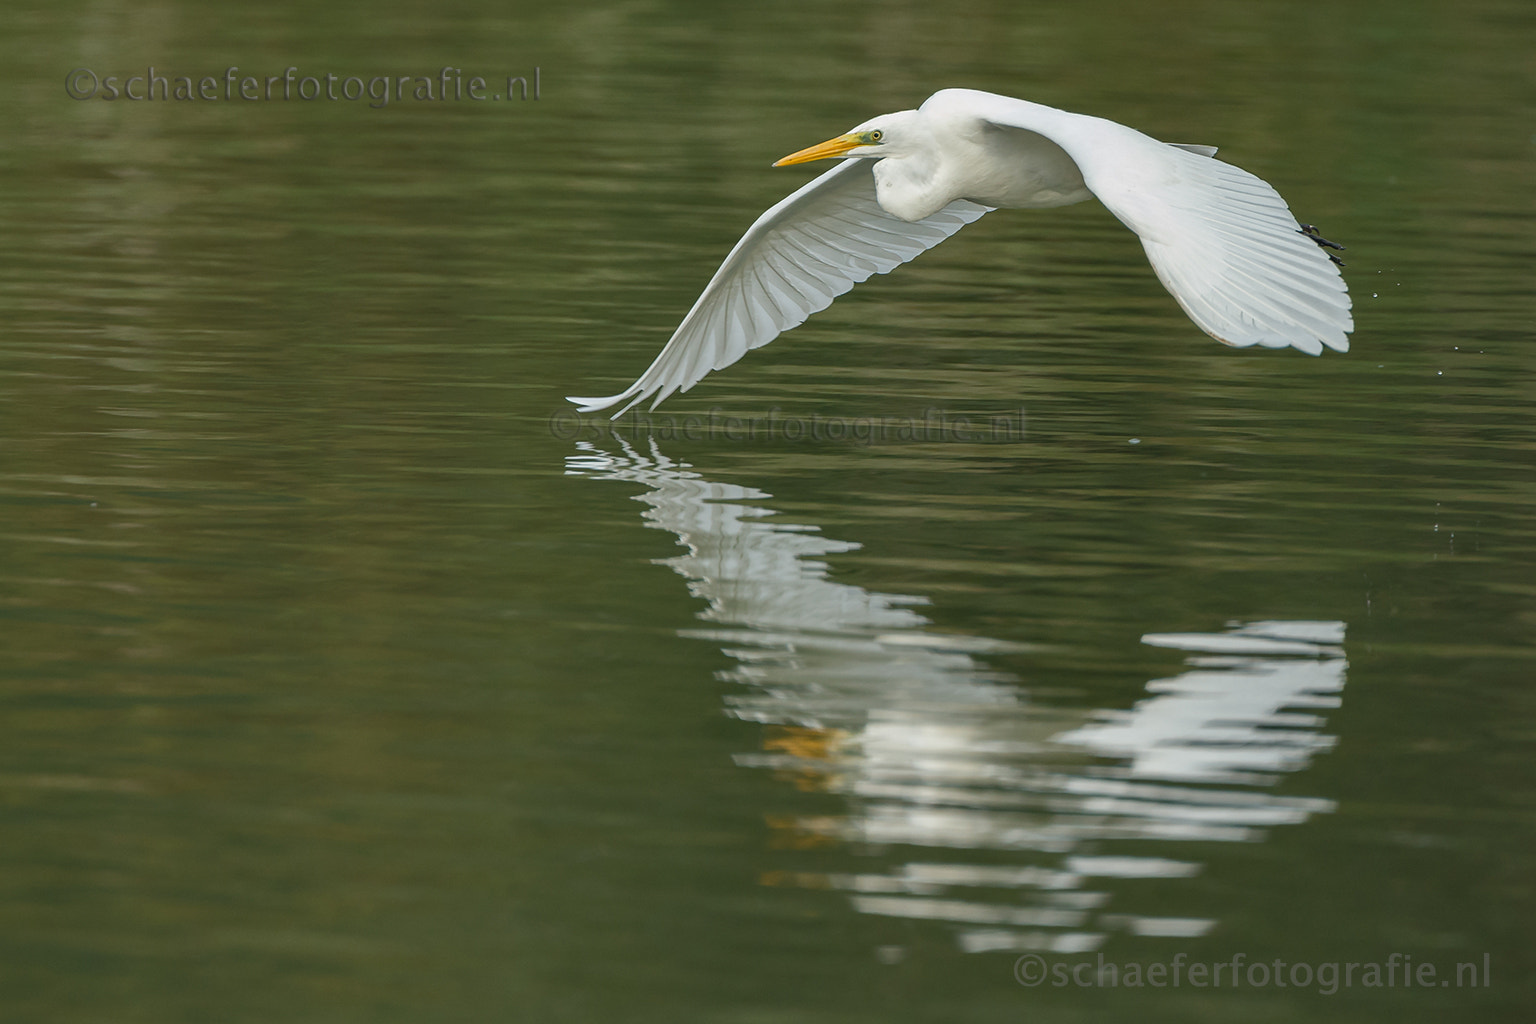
(347, 676)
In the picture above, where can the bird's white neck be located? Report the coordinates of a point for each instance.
(911, 186)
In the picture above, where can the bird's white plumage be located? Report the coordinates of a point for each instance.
(1221, 240)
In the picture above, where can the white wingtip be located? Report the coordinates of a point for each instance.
(599, 404)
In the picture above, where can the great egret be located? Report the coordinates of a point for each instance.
(1221, 240)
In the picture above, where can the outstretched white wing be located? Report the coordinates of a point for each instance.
(800, 255)
(1221, 240)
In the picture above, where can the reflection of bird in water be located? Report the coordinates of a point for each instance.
(964, 801)
(1221, 240)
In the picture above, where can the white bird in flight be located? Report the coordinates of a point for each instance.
(1221, 240)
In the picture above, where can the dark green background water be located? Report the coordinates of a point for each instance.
(340, 682)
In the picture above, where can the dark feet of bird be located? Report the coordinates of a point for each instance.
(1323, 243)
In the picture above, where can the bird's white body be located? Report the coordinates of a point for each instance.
(1221, 240)
(945, 152)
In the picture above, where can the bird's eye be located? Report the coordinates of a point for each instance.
(876, 135)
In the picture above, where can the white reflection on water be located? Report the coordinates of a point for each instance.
(937, 754)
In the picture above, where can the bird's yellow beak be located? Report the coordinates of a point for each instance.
(824, 150)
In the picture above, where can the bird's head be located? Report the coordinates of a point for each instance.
(879, 137)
